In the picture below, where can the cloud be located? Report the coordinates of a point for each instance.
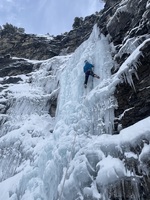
(45, 16)
(60, 16)
(9, 10)
(10, 1)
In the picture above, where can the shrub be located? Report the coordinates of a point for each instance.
(10, 29)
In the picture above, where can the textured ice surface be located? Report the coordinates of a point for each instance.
(74, 154)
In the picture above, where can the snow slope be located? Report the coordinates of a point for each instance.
(73, 155)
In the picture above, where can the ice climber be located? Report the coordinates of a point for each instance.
(88, 70)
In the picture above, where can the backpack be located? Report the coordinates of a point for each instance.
(88, 66)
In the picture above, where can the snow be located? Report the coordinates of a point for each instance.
(123, 2)
(131, 155)
(121, 9)
(130, 65)
(110, 173)
(131, 44)
(74, 154)
(144, 158)
(121, 116)
(148, 4)
(47, 36)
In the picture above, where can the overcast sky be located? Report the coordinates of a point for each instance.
(46, 16)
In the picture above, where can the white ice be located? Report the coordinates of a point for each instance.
(74, 154)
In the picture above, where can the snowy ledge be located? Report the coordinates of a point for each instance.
(130, 65)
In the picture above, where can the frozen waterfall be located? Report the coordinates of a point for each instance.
(72, 156)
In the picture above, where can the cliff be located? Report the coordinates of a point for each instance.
(61, 141)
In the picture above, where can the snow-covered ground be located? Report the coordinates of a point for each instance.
(74, 154)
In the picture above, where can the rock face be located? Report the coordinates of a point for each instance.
(127, 24)
(11, 67)
(135, 104)
(125, 19)
(39, 48)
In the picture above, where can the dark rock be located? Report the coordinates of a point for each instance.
(11, 80)
(52, 104)
(111, 3)
(118, 32)
(4, 106)
(130, 21)
(12, 67)
(40, 48)
(133, 105)
(137, 103)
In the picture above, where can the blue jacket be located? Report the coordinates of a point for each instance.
(88, 66)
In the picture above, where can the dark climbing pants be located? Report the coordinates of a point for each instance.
(87, 74)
